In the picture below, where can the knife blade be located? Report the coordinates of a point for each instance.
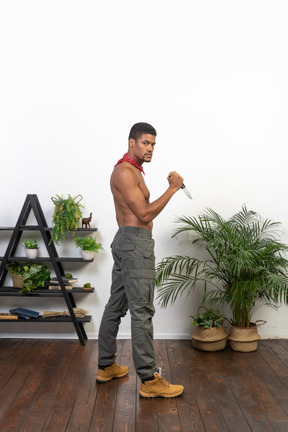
(186, 191)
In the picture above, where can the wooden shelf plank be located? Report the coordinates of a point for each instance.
(40, 319)
(47, 259)
(36, 228)
(10, 291)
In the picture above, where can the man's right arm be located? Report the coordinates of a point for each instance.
(128, 185)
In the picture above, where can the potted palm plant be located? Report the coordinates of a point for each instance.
(243, 264)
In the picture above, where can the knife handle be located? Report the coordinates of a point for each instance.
(183, 185)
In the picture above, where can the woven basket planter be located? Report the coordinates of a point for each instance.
(244, 339)
(211, 339)
(60, 211)
(17, 281)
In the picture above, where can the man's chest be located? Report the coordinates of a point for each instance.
(144, 189)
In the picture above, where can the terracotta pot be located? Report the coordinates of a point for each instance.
(211, 339)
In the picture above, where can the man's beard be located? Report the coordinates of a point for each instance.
(148, 156)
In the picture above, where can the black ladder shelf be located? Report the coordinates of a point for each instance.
(32, 203)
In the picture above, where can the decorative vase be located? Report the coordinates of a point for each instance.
(244, 339)
(209, 339)
(31, 253)
(87, 255)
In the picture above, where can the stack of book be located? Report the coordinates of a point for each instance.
(54, 283)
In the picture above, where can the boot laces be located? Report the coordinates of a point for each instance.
(163, 381)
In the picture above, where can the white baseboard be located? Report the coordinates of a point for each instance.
(94, 336)
(156, 336)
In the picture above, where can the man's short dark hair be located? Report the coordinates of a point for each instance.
(139, 129)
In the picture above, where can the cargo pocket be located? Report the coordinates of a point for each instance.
(125, 244)
(144, 283)
(149, 250)
(149, 258)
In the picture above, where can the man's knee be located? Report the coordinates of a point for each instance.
(115, 310)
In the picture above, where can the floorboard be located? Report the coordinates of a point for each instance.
(49, 385)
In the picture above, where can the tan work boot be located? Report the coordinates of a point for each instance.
(111, 372)
(159, 387)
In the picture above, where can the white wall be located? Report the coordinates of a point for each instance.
(211, 76)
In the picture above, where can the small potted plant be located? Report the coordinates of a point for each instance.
(16, 270)
(31, 248)
(88, 246)
(28, 277)
(34, 277)
(209, 333)
(67, 213)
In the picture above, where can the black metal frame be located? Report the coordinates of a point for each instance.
(32, 203)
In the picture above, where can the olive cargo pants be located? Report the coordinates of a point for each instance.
(133, 284)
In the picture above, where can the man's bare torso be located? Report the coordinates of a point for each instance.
(128, 188)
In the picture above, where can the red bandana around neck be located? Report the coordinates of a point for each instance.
(128, 158)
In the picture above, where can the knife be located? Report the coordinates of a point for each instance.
(186, 191)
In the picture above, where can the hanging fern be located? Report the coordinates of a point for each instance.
(67, 213)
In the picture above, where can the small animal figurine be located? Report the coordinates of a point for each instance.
(86, 221)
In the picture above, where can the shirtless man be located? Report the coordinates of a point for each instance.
(133, 274)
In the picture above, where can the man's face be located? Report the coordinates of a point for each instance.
(143, 148)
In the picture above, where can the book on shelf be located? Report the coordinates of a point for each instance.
(64, 279)
(24, 313)
(7, 316)
(56, 287)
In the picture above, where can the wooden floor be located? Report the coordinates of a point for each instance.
(50, 386)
